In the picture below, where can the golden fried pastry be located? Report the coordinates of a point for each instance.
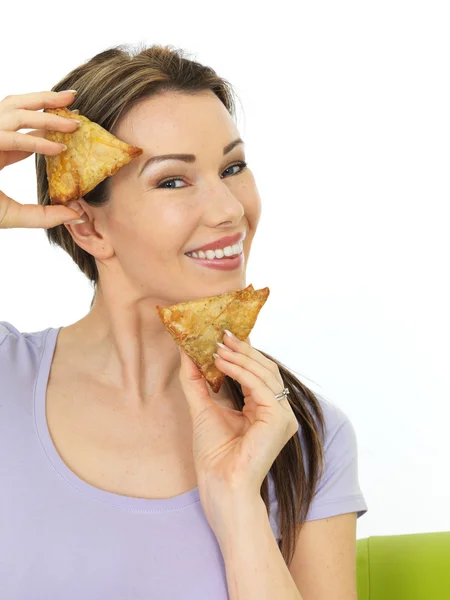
(199, 324)
(92, 155)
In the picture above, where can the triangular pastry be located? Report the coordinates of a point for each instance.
(199, 324)
(92, 155)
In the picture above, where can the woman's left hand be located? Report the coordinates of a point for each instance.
(234, 450)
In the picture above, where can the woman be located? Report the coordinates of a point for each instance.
(123, 475)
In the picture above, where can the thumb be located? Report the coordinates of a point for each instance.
(194, 385)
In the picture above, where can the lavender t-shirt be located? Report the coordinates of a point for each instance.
(62, 538)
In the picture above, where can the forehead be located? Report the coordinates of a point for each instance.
(167, 119)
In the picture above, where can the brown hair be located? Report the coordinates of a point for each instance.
(108, 85)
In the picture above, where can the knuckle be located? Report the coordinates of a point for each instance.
(15, 142)
(272, 367)
(278, 381)
(50, 99)
(292, 424)
(35, 144)
(63, 121)
(4, 205)
(18, 119)
(53, 123)
(9, 140)
(275, 370)
(5, 104)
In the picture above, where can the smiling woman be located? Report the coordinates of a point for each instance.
(113, 474)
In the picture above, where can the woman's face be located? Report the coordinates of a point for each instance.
(152, 220)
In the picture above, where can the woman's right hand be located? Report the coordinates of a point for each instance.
(22, 112)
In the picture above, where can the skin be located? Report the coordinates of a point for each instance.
(139, 239)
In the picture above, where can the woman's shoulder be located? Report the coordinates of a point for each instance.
(21, 360)
(338, 490)
(333, 415)
(15, 343)
(7, 328)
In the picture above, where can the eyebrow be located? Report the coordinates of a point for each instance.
(189, 158)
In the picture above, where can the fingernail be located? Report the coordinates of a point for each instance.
(216, 355)
(71, 91)
(75, 222)
(79, 123)
(233, 337)
(75, 111)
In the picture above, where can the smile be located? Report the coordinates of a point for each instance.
(221, 264)
(227, 252)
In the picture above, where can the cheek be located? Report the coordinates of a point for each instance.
(153, 235)
(252, 206)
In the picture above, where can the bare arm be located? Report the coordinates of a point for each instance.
(255, 567)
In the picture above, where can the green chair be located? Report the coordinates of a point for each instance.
(404, 567)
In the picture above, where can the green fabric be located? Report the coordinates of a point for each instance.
(404, 567)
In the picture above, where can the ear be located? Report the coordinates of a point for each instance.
(76, 205)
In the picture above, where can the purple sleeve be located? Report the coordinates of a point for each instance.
(338, 491)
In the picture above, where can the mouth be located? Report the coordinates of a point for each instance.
(228, 252)
(226, 263)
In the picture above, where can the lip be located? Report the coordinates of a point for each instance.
(222, 243)
(222, 264)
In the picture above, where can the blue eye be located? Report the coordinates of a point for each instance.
(242, 166)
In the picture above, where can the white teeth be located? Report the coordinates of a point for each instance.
(219, 253)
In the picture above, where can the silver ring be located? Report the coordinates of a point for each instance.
(283, 394)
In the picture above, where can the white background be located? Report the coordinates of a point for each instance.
(347, 128)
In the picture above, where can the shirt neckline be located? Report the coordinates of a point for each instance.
(71, 479)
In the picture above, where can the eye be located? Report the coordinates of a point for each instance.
(242, 165)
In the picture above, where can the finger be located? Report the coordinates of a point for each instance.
(28, 142)
(262, 394)
(245, 348)
(32, 215)
(246, 371)
(38, 100)
(194, 385)
(29, 119)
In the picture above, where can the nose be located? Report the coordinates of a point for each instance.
(226, 206)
